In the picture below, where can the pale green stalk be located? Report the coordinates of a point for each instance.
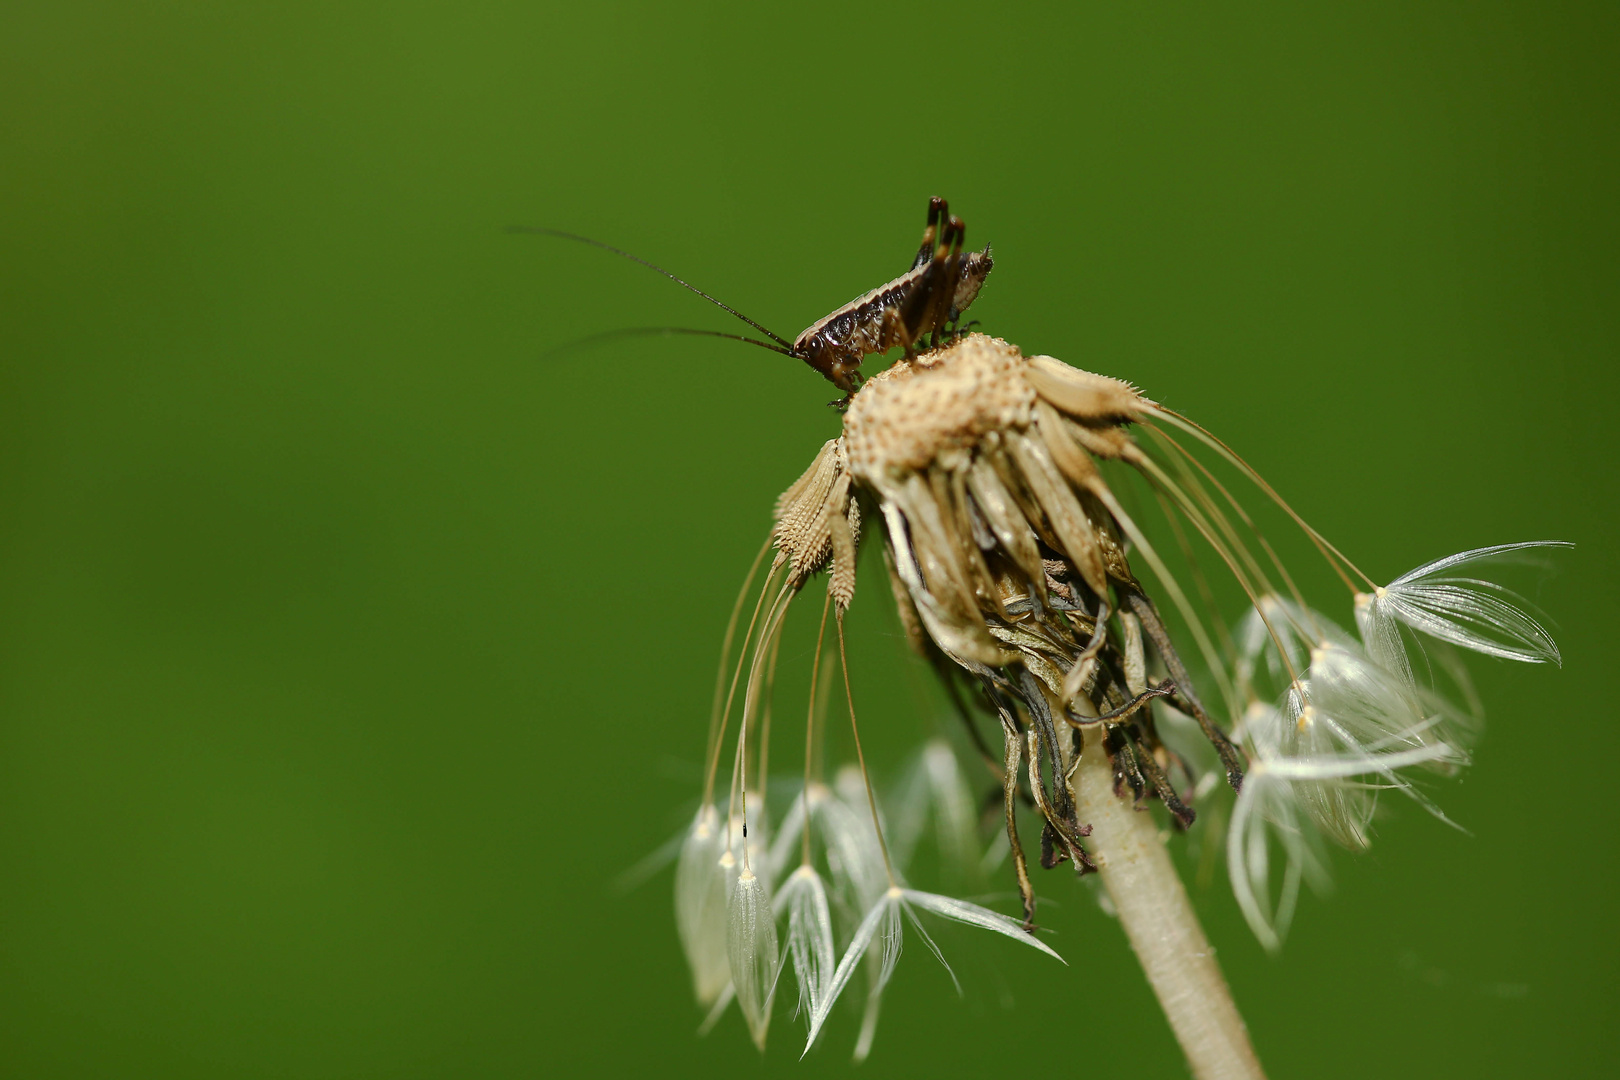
(1161, 924)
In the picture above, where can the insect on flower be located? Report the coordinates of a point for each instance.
(1014, 566)
(919, 304)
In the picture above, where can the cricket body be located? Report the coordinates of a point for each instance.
(923, 302)
(922, 305)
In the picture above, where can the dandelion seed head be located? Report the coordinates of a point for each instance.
(1013, 565)
(943, 404)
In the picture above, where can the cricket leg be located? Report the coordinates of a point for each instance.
(944, 290)
(938, 210)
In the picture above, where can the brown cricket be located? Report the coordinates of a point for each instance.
(927, 301)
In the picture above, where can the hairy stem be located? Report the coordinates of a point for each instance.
(1163, 928)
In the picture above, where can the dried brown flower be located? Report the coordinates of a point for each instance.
(1010, 560)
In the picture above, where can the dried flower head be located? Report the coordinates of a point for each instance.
(1011, 560)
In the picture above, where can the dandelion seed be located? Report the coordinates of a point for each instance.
(882, 926)
(971, 914)
(810, 937)
(1353, 702)
(752, 950)
(1369, 740)
(1266, 808)
(856, 860)
(936, 789)
(1467, 611)
(1278, 798)
(703, 877)
(1282, 633)
(1339, 702)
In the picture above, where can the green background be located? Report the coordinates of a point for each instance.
(350, 648)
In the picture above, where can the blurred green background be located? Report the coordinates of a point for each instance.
(350, 649)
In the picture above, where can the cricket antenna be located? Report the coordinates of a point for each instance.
(650, 331)
(786, 345)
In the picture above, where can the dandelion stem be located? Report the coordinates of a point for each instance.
(1162, 926)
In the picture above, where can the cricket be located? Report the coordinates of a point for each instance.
(924, 303)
